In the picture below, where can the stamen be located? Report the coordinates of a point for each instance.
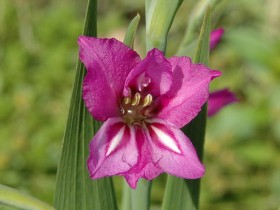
(135, 109)
(136, 99)
(148, 100)
(127, 100)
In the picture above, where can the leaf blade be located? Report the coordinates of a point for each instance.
(131, 31)
(74, 189)
(15, 198)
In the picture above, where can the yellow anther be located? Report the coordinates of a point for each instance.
(148, 100)
(127, 100)
(136, 99)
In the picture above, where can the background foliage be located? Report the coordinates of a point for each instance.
(38, 54)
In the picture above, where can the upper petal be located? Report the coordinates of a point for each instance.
(218, 99)
(188, 92)
(108, 63)
(152, 75)
(113, 150)
(172, 151)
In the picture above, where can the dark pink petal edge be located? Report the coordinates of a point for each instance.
(219, 99)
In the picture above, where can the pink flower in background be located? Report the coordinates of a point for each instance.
(220, 98)
(143, 104)
(215, 37)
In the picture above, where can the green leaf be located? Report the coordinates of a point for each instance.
(131, 31)
(15, 198)
(202, 51)
(159, 17)
(183, 194)
(74, 189)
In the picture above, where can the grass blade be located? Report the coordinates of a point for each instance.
(187, 46)
(74, 189)
(15, 198)
(131, 31)
(202, 51)
(183, 194)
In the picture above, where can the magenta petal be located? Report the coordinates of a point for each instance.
(108, 63)
(145, 167)
(172, 151)
(219, 99)
(113, 149)
(153, 75)
(188, 92)
(215, 37)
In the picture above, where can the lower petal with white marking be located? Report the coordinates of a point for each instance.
(113, 149)
(172, 151)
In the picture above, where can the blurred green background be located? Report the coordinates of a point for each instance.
(38, 54)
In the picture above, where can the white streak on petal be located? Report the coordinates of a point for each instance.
(166, 140)
(115, 141)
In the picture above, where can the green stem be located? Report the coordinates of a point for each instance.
(140, 197)
(187, 191)
(126, 196)
(159, 17)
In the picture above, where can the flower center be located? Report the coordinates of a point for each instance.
(135, 110)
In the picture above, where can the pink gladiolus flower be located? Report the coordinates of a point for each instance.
(215, 37)
(142, 103)
(219, 99)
